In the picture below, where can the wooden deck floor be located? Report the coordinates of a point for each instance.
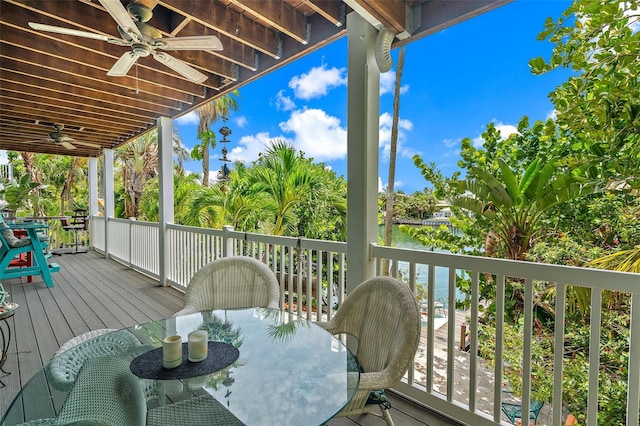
(92, 292)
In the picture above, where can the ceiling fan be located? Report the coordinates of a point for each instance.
(143, 39)
(66, 141)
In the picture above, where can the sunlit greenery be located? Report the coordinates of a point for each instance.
(587, 215)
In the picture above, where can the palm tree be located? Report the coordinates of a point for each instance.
(179, 150)
(139, 160)
(208, 114)
(289, 179)
(515, 205)
(75, 173)
(236, 205)
(388, 223)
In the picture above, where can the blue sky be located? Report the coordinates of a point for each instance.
(454, 83)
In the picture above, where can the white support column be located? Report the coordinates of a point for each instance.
(93, 186)
(109, 196)
(165, 177)
(93, 189)
(362, 149)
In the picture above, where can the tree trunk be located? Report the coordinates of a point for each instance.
(205, 163)
(388, 220)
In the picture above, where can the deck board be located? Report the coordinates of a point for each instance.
(92, 292)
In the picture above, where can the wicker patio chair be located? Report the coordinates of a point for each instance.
(83, 338)
(383, 316)
(105, 393)
(231, 282)
(65, 365)
(199, 411)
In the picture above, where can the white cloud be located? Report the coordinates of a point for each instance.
(241, 121)
(249, 147)
(388, 81)
(190, 118)
(317, 82)
(284, 103)
(382, 187)
(317, 134)
(451, 143)
(505, 130)
(404, 125)
(478, 142)
(553, 114)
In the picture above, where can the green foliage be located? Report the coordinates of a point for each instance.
(281, 193)
(207, 140)
(17, 195)
(614, 356)
(419, 205)
(598, 109)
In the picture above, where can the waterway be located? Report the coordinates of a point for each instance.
(401, 240)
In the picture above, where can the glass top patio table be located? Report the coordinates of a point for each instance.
(289, 370)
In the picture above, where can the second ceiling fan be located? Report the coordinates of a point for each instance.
(143, 39)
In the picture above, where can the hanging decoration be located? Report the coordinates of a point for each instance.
(223, 174)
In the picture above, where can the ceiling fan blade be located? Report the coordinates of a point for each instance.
(121, 16)
(184, 69)
(209, 42)
(67, 31)
(67, 145)
(123, 65)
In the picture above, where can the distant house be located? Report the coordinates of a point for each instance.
(445, 213)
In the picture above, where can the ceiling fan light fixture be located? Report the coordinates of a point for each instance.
(140, 12)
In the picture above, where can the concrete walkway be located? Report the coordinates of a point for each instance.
(486, 377)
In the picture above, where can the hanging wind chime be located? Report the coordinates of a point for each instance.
(223, 174)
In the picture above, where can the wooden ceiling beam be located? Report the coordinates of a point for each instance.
(42, 49)
(49, 148)
(204, 61)
(42, 128)
(71, 73)
(391, 13)
(80, 16)
(39, 97)
(69, 108)
(84, 96)
(229, 22)
(233, 50)
(332, 11)
(77, 118)
(279, 15)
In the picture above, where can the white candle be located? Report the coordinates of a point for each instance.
(197, 345)
(172, 351)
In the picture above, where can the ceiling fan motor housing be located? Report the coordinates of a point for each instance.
(140, 49)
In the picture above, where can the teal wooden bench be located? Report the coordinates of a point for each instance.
(34, 243)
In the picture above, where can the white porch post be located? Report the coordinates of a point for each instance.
(93, 190)
(109, 196)
(165, 177)
(93, 186)
(362, 149)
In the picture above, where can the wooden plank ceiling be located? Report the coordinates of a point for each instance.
(48, 78)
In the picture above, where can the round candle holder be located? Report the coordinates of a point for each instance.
(197, 345)
(172, 351)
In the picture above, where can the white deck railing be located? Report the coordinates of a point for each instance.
(444, 378)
